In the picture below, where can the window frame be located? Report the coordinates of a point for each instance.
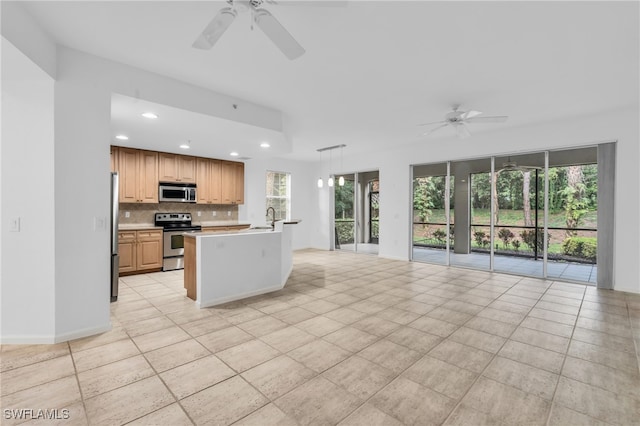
(286, 197)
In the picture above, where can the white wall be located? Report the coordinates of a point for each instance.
(27, 264)
(303, 195)
(395, 186)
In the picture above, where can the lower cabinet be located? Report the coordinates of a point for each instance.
(140, 251)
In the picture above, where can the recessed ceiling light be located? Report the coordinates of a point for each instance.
(234, 154)
(265, 145)
(150, 115)
(122, 137)
(185, 146)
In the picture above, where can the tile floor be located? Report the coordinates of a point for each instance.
(350, 340)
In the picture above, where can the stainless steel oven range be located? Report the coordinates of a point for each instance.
(174, 225)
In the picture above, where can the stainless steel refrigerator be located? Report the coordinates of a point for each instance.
(115, 259)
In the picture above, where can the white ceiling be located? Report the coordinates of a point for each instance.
(374, 70)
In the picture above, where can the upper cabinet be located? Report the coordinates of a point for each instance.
(217, 181)
(176, 168)
(138, 172)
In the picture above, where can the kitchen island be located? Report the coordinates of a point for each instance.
(223, 267)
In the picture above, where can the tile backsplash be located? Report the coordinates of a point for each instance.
(144, 213)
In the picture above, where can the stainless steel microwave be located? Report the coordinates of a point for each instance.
(177, 192)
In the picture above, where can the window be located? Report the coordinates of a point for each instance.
(279, 194)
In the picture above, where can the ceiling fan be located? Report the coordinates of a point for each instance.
(510, 166)
(262, 18)
(459, 119)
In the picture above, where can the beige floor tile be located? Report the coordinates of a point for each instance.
(562, 416)
(101, 339)
(398, 316)
(342, 299)
(621, 330)
(462, 355)
(448, 315)
(490, 326)
(319, 355)
(261, 326)
(532, 380)
(602, 339)
(533, 355)
(287, 339)
(368, 307)
(440, 376)
(320, 326)
(506, 404)
(161, 338)
(293, 315)
(360, 377)
(351, 339)
(604, 307)
(510, 307)
(557, 307)
(464, 415)
(624, 361)
(224, 403)
(175, 355)
(415, 306)
(278, 376)
(462, 306)
(267, 415)
(31, 354)
(320, 306)
(478, 339)
(376, 326)
(616, 381)
(369, 415)
(247, 355)
(56, 394)
(139, 315)
(346, 315)
(561, 300)
(596, 402)
(414, 339)
(191, 378)
(390, 355)
(559, 317)
(542, 340)
(111, 376)
(502, 316)
(128, 403)
(36, 374)
(170, 415)
(412, 403)
(224, 339)
(318, 402)
(205, 325)
(275, 307)
(189, 315)
(529, 301)
(434, 326)
(148, 326)
(546, 326)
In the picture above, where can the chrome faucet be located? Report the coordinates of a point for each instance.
(273, 217)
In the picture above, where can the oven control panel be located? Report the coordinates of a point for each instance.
(173, 217)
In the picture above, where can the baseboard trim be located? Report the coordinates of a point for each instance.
(28, 340)
(221, 300)
(85, 332)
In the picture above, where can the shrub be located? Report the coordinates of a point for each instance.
(584, 247)
(505, 235)
(516, 245)
(440, 235)
(529, 238)
(479, 237)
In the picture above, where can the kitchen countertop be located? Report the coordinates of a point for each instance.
(221, 223)
(137, 226)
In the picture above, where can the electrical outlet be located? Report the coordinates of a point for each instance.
(127, 214)
(99, 223)
(214, 213)
(14, 224)
(199, 214)
(228, 213)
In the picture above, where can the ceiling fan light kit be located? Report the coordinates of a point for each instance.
(269, 25)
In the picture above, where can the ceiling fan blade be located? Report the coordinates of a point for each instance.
(493, 119)
(434, 129)
(462, 131)
(469, 114)
(215, 29)
(433, 122)
(278, 34)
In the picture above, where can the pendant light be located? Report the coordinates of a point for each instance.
(330, 181)
(341, 179)
(320, 183)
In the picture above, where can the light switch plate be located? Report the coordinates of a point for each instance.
(213, 213)
(99, 223)
(228, 213)
(127, 214)
(199, 214)
(14, 224)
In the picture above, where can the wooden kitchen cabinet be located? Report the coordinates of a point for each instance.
(140, 251)
(138, 170)
(127, 251)
(232, 182)
(176, 168)
(208, 181)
